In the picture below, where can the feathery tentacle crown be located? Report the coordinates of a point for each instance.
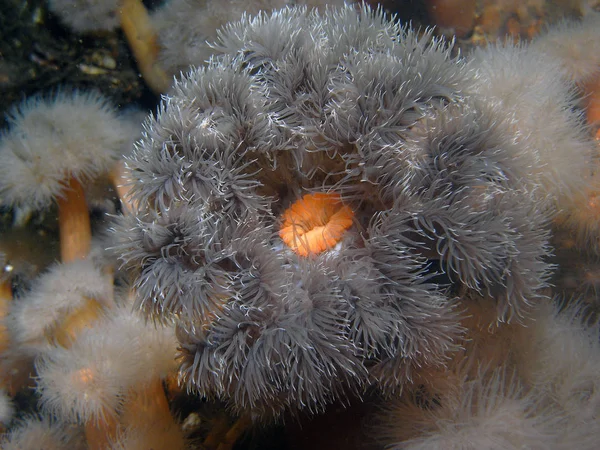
(370, 129)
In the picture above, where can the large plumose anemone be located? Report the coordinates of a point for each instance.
(356, 107)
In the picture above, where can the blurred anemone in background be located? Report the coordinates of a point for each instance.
(186, 28)
(41, 432)
(531, 386)
(69, 134)
(424, 196)
(87, 15)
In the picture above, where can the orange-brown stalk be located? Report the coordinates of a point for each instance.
(235, 432)
(74, 222)
(592, 107)
(136, 25)
(101, 433)
(147, 406)
(67, 330)
(121, 179)
(101, 430)
(5, 302)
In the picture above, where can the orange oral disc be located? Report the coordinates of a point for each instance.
(315, 223)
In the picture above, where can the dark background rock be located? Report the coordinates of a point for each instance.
(38, 54)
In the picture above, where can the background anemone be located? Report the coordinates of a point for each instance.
(186, 28)
(349, 104)
(55, 146)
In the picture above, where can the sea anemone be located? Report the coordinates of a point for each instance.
(34, 433)
(308, 209)
(87, 15)
(185, 29)
(492, 411)
(566, 361)
(54, 146)
(540, 101)
(574, 44)
(110, 377)
(63, 301)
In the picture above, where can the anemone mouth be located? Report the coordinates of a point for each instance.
(315, 223)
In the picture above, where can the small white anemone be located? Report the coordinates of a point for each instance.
(575, 45)
(70, 134)
(62, 290)
(90, 380)
(490, 411)
(35, 433)
(534, 92)
(87, 15)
